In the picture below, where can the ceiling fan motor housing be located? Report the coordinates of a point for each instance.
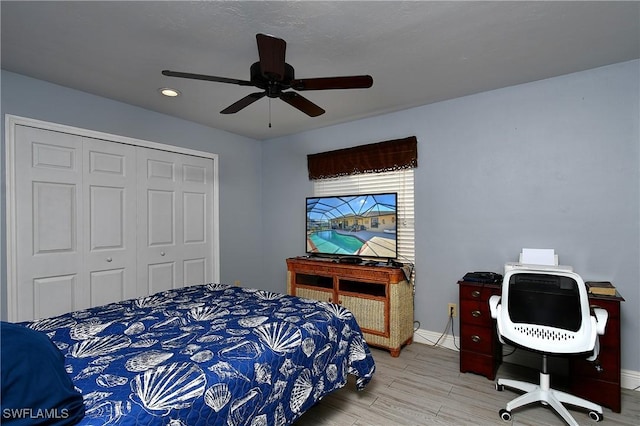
(271, 86)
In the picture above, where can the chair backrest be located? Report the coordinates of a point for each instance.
(546, 310)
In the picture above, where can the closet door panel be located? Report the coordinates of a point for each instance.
(197, 207)
(162, 277)
(160, 217)
(107, 220)
(54, 217)
(49, 247)
(174, 200)
(109, 202)
(54, 295)
(107, 286)
(195, 271)
(158, 243)
(195, 225)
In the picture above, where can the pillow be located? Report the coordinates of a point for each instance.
(36, 389)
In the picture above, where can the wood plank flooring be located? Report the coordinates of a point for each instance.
(424, 386)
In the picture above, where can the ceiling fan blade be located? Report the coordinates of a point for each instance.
(271, 51)
(169, 73)
(242, 103)
(301, 103)
(327, 83)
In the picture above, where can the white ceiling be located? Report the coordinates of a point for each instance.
(418, 52)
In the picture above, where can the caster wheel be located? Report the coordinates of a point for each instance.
(499, 387)
(595, 416)
(505, 415)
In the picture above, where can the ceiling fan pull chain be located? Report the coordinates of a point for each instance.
(269, 112)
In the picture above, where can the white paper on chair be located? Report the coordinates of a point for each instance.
(538, 256)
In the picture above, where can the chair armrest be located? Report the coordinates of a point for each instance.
(494, 301)
(595, 352)
(601, 319)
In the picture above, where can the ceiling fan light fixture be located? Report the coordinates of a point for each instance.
(169, 92)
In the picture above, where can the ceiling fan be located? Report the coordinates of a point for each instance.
(275, 77)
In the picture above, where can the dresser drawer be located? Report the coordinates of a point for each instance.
(606, 369)
(475, 312)
(473, 362)
(477, 339)
(479, 292)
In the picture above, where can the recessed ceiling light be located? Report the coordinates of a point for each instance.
(167, 91)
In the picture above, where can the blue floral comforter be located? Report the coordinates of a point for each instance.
(208, 355)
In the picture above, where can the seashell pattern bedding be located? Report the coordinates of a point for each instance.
(208, 355)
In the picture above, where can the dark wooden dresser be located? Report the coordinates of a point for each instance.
(481, 352)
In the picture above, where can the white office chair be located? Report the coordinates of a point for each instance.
(547, 311)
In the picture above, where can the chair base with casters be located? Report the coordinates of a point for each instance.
(547, 396)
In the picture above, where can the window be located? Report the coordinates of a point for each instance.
(400, 181)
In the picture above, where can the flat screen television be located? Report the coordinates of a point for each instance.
(362, 225)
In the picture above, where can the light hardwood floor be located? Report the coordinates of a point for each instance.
(424, 386)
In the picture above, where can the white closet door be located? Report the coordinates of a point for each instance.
(49, 208)
(95, 221)
(175, 198)
(197, 224)
(109, 231)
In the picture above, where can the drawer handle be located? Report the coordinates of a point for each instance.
(476, 314)
(475, 338)
(475, 293)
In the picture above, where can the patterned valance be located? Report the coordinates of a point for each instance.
(372, 158)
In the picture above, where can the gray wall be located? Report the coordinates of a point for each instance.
(240, 161)
(550, 164)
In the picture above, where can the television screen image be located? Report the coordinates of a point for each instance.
(353, 225)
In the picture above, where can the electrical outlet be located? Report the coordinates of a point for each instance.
(452, 310)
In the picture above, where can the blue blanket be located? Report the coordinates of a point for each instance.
(208, 355)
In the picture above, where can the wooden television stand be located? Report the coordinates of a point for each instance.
(380, 297)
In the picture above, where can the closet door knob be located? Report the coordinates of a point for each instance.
(109, 259)
(162, 253)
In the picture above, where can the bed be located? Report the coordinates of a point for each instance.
(208, 355)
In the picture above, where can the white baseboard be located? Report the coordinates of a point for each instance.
(629, 379)
(427, 337)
